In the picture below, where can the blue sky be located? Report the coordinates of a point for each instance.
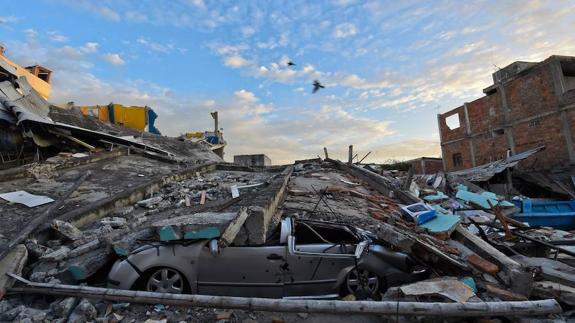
(388, 66)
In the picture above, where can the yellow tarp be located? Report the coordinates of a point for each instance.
(130, 117)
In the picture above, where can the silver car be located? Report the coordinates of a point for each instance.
(301, 259)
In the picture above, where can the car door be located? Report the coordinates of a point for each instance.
(316, 275)
(243, 271)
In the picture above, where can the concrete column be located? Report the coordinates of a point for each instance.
(508, 128)
(423, 166)
(350, 156)
(468, 133)
(559, 85)
(443, 156)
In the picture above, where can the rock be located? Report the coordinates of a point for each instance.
(114, 222)
(64, 307)
(67, 229)
(123, 211)
(151, 202)
(10, 315)
(349, 297)
(84, 312)
(5, 306)
(28, 314)
(57, 255)
(303, 315)
(39, 277)
(92, 245)
(35, 249)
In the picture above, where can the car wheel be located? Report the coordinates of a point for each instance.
(362, 280)
(165, 280)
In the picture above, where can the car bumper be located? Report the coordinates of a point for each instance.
(122, 275)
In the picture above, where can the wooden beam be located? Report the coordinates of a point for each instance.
(470, 309)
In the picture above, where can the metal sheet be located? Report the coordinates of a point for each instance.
(484, 172)
(23, 197)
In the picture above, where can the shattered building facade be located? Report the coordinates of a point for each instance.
(529, 105)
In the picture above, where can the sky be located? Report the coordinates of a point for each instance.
(388, 67)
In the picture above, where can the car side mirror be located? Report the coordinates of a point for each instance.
(214, 247)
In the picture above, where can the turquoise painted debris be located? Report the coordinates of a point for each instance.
(484, 200)
(441, 223)
(207, 233)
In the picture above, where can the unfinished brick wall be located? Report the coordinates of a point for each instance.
(535, 98)
(432, 165)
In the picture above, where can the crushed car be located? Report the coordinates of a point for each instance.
(300, 259)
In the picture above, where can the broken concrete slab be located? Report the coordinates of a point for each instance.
(114, 222)
(552, 270)
(151, 202)
(67, 230)
(206, 225)
(84, 312)
(13, 263)
(88, 263)
(449, 287)
(57, 255)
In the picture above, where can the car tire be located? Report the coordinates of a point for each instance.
(363, 283)
(164, 280)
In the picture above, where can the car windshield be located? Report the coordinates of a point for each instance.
(311, 233)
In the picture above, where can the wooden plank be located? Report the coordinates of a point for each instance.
(203, 198)
(390, 308)
(520, 280)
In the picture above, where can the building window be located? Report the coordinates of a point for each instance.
(568, 69)
(457, 159)
(452, 121)
(535, 122)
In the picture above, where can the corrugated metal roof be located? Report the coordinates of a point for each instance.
(484, 172)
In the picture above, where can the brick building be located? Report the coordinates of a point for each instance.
(529, 105)
(426, 165)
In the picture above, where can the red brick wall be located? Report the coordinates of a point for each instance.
(529, 95)
(448, 134)
(546, 132)
(433, 166)
(457, 147)
(490, 147)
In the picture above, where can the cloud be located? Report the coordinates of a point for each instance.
(235, 61)
(246, 96)
(113, 59)
(344, 30)
(165, 48)
(198, 4)
(30, 33)
(57, 37)
(6, 20)
(97, 8)
(247, 31)
(89, 47)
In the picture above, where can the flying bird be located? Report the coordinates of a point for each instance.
(316, 86)
(290, 63)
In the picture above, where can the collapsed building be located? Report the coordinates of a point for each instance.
(93, 193)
